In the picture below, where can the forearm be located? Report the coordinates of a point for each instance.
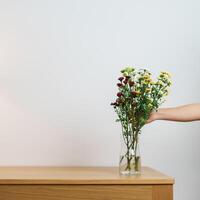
(190, 112)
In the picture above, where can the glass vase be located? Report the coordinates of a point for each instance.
(130, 159)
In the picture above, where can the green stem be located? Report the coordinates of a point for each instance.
(136, 157)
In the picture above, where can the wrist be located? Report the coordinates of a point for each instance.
(159, 114)
(155, 115)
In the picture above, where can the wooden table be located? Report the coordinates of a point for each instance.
(82, 183)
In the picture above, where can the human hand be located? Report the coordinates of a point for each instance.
(185, 113)
(152, 117)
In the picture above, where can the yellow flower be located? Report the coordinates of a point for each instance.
(169, 83)
(166, 93)
(137, 92)
(150, 105)
(166, 74)
(128, 70)
(125, 73)
(146, 76)
(159, 83)
(148, 80)
(148, 90)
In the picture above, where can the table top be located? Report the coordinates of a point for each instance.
(79, 175)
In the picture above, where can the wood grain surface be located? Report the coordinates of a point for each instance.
(79, 175)
(162, 192)
(76, 192)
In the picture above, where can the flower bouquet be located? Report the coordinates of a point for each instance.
(138, 95)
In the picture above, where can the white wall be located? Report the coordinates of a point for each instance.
(59, 63)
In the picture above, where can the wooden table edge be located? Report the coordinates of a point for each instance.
(161, 179)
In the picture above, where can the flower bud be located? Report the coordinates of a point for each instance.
(119, 94)
(131, 83)
(121, 78)
(125, 81)
(135, 93)
(119, 84)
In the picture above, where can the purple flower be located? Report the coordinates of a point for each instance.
(134, 93)
(119, 100)
(131, 83)
(121, 78)
(119, 84)
(119, 94)
(114, 104)
(125, 81)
